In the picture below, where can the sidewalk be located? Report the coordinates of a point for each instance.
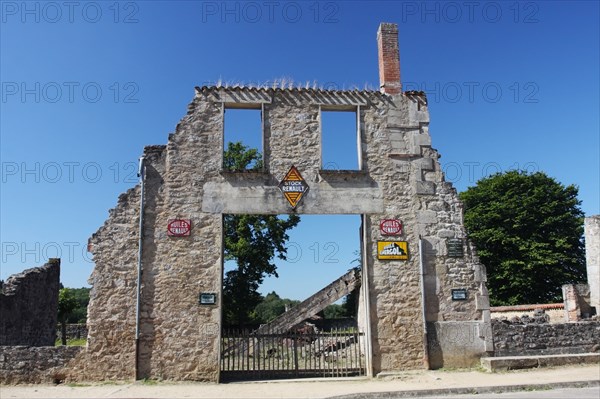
(410, 383)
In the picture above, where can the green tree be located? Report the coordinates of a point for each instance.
(252, 241)
(272, 306)
(528, 230)
(79, 314)
(237, 157)
(334, 311)
(67, 303)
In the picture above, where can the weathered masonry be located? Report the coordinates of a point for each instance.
(426, 307)
(28, 306)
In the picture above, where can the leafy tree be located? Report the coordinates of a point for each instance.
(67, 303)
(272, 306)
(528, 231)
(334, 311)
(350, 303)
(238, 157)
(252, 241)
(82, 296)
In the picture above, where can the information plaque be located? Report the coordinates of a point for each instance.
(455, 247)
(459, 294)
(207, 298)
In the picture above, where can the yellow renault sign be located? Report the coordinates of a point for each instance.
(397, 250)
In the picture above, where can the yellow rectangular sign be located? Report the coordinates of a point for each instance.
(397, 250)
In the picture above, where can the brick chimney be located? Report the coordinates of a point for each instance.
(389, 58)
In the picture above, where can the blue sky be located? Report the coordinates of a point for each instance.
(86, 86)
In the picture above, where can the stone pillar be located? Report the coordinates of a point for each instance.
(389, 59)
(571, 301)
(592, 257)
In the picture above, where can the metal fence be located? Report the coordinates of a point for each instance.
(249, 355)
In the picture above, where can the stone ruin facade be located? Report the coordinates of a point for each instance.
(29, 306)
(592, 257)
(429, 310)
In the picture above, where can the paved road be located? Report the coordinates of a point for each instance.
(405, 384)
(567, 393)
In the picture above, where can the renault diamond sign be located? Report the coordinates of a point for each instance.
(293, 186)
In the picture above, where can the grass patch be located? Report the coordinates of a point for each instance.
(72, 342)
(78, 385)
(478, 368)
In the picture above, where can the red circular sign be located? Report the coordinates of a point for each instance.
(179, 227)
(390, 227)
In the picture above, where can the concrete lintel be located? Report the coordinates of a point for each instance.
(321, 199)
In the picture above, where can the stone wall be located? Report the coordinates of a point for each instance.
(517, 339)
(35, 365)
(29, 306)
(555, 311)
(399, 178)
(179, 338)
(111, 345)
(592, 256)
(74, 331)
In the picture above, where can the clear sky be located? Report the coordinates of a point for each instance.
(87, 84)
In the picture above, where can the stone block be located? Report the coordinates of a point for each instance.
(424, 187)
(446, 233)
(454, 344)
(480, 274)
(427, 217)
(482, 302)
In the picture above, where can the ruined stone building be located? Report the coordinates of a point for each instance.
(423, 299)
(29, 306)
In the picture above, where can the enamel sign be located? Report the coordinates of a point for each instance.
(388, 250)
(179, 227)
(293, 187)
(390, 227)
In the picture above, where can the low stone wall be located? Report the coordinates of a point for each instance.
(517, 339)
(555, 311)
(35, 365)
(74, 331)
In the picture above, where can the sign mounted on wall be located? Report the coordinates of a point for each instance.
(390, 227)
(459, 294)
(397, 250)
(179, 227)
(207, 298)
(293, 186)
(455, 247)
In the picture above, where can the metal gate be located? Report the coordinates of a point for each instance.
(296, 354)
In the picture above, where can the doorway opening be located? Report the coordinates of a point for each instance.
(300, 318)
